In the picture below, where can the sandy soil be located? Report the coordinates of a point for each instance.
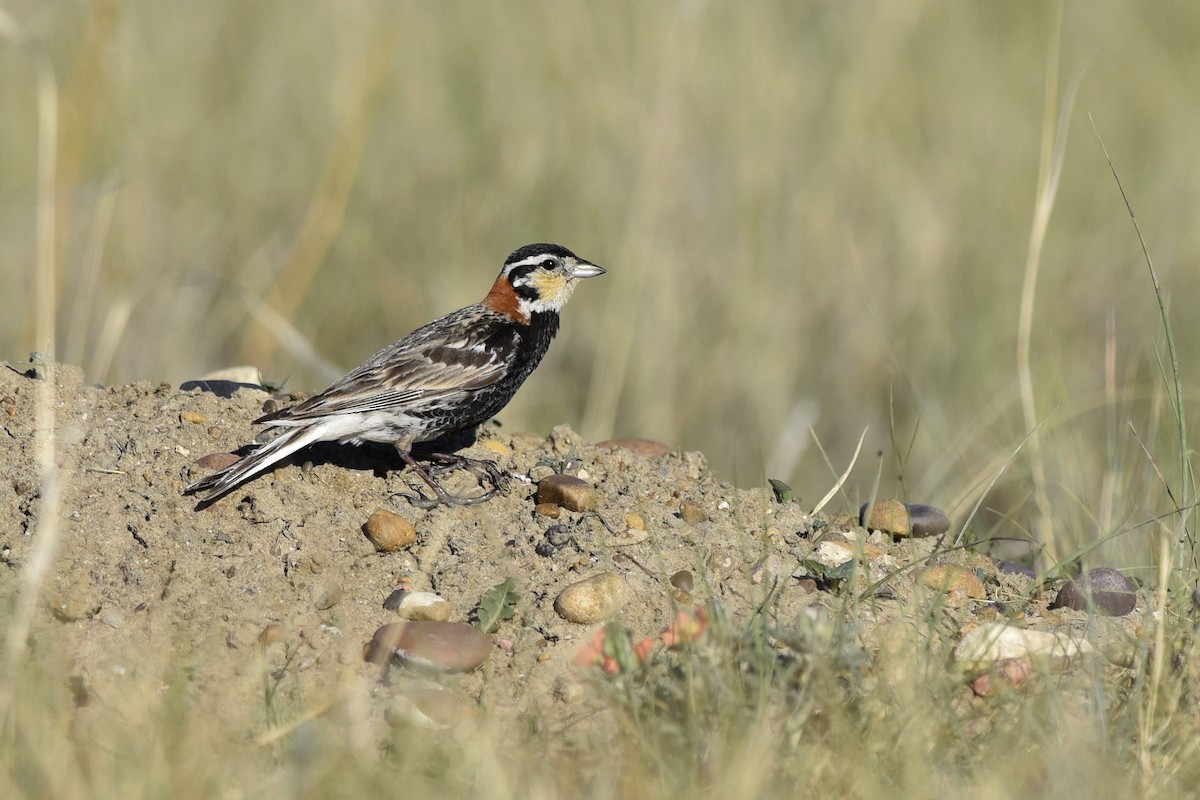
(148, 591)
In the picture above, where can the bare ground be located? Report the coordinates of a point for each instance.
(149, 595)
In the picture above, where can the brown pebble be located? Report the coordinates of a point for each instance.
(573, 494)
(889, 516)
(442, 646)
(683, 580)
(194, 417)
(1112, 594)
(959, 583)
(270, 634)
(547, 510)
(692, 514)
(389, 531)
(643, 447)
(217, 460)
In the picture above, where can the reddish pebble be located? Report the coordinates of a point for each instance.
(1110, 593)
(1005, 673)
(217, 460)
(441, 646)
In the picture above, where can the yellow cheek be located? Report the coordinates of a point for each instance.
(551, 287)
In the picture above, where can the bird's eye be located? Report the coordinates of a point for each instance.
(549, 263)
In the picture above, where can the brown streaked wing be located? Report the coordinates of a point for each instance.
(418, 367)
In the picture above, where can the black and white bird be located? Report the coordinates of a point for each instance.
(443, 378)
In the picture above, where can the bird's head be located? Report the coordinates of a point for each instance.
(538, 278)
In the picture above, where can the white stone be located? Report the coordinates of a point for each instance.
(995, 641)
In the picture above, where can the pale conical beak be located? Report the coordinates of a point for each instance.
(586, 269)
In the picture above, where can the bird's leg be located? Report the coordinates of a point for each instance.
(481, 468)
(441, 495)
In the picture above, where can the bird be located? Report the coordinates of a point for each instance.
(446, 377)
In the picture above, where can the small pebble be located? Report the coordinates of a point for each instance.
(927, 520)
(558, 535)
(902, 519)
(271, 634)
(692, 514)
(550, 510)
(389, 531)
(441, 646)
(194, 417)
(393, 600)
(634, 522)
(573, 494)
(329, 598)
(683, 580)
(1005, 673)
(889, 516)
(217, 460)
(423, 606)
(832, 552)
(592, 600)
(959, 583)
(1112, 594)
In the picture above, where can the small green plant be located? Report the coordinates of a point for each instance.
(496, 605)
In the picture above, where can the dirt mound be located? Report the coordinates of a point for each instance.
(260, 605)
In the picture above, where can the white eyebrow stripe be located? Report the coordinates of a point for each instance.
(538, 259)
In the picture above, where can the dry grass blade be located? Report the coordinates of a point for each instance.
(1054, 140)
(48, 529)
(1182, 504)
(837, 487)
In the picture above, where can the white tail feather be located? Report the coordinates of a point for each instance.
(279, 448)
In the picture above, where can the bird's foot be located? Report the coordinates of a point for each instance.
(484, 470)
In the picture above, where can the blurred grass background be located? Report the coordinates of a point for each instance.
(812, 215)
